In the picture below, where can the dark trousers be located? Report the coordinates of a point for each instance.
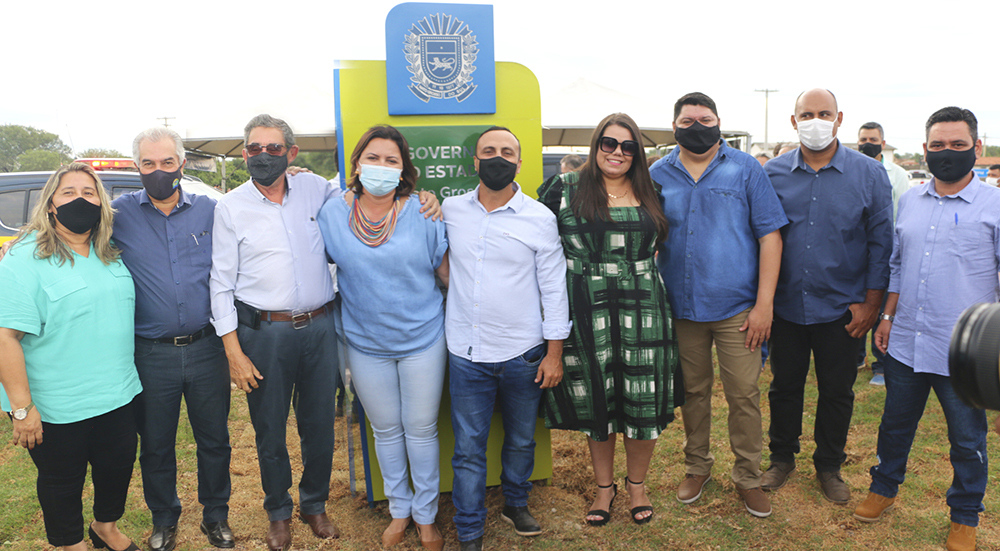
(299, 367)
(834, 353)
(200, 373)
(107, 442)
(905, 401)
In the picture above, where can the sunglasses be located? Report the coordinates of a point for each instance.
(609, 145)
(272, 148)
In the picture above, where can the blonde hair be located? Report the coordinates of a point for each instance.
(47, 241)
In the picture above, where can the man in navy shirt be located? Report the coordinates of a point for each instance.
(834, 272)
(720, 266)
(165, 235)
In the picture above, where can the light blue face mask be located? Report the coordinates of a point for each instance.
(380, 180)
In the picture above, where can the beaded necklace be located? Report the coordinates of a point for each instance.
(371, 233)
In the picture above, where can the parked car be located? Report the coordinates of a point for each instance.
(19, 192)
(918, 177)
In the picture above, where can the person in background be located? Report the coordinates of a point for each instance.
(569, 163)
(67, 371)
(651, 160)
(871, 140)
(945, 257)
(621, 356)
(720, 265)
(165, 237)
(993, 175)
(386, 255)
(763, 158)
(502, 350)
(781, 148)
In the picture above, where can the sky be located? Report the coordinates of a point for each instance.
(98, 73)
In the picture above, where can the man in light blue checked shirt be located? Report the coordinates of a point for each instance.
(945, 258)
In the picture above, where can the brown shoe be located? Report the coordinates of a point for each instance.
(395, 532)
(430, 537)
(321, 525)
(961, 538)
(756, 502)
(834, 487)
(279, 535)
(873, 507)
(776, 475)
(690, 488)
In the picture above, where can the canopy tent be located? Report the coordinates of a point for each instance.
(566, 115)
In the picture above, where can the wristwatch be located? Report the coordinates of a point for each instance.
(887, 317)
(22, 413)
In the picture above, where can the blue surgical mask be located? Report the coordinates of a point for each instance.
(380, 180)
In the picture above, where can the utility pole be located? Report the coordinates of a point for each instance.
(165, 123)
(767, 95)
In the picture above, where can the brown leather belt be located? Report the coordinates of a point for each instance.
(300, 320)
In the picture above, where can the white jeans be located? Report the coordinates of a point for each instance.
(401, 397)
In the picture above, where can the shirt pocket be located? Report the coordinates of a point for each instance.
(124, 287)
(970, 241)
(67, 298)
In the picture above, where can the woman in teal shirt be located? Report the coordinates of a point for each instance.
(67, 376)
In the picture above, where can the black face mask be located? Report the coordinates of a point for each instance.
(873, 150)
(161, 185)
(497, 172)
(949, 165)
(266, 168)
(79, 215)
(698, 138)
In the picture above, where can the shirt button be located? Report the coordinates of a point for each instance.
(805, 292)
(921, 281)
(927, 254)
(932, 227)
(174, 261)
(807, 271)
(690, 232)
(171, 239)
(475, 326)
(480, 237)
(918, 333)
(921, 308)
(692, 210)
(814, 198)
(479, 260)
(689, 256)
(177, 283)
(812, 223)
(808, 246)
(940, 203)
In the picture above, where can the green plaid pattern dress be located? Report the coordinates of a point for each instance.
(621, 357)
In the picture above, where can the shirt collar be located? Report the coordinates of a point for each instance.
(838, 162)
(516, 203)
(184, 200)
(968, 193)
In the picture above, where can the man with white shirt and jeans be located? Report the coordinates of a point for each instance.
(272, 303)
(507, 268)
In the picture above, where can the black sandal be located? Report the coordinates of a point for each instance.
(639, 509)
(604, 514)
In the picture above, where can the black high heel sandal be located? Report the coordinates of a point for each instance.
(100, 544)
(605, 514)
(641, 508)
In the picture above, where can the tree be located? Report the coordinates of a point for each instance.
(236, 174)
(100, 153)
(991, 151)
(38, 159)
(16, 140)
(323, 163)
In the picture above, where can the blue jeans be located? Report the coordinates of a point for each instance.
(474, 388)
(402, 400)
(200, 373)
(905, 400)
(299, 367)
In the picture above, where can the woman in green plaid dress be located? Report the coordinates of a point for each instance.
(620, 359)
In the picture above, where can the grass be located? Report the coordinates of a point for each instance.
(802, 519)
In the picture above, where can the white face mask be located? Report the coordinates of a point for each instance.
(992, 181)
(815, 134)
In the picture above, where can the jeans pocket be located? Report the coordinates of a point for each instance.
(534, 356)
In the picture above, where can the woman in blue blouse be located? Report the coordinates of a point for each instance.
(66, 357)
(387, 254)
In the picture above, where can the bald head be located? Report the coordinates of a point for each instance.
(816, 96)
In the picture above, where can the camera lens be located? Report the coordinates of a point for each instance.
(974, 356)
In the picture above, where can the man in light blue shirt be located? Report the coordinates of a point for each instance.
(720, 266)
(945, 258)
(272, 303)
(507, 268)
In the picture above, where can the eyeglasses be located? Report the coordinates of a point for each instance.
(609, 145)
(272, 148)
